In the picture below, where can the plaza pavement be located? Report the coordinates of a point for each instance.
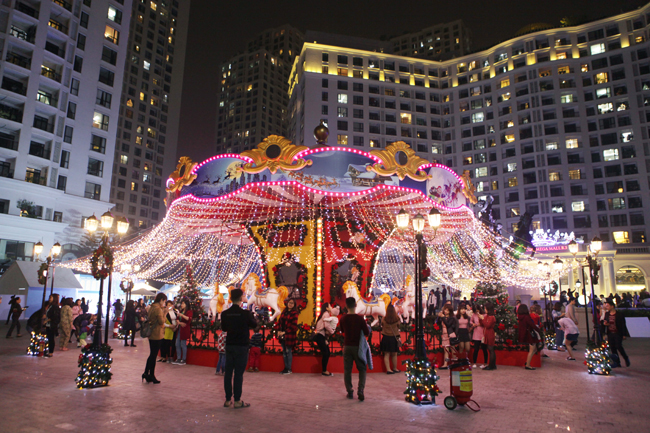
(40, 395)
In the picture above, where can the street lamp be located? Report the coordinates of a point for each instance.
(49, 263)
(591, 261)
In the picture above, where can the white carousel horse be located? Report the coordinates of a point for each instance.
(250, 285)
(408, 304)
(373, 308)
(273, 298)
(218, 303)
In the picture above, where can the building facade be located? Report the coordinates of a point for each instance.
(438, 42)
(147, 135)
(554, 123)
(61, 68)
(253, 96)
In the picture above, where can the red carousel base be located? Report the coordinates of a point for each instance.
(312, 363)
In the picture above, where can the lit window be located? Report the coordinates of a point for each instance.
(603, 93)
(124, 159)
(134, 186)
(129, 102)
(627, 136)
(574, 174)
(561, 56)
(605, 108)
(478, 117)
(510, 138)
(601, 78)
(505, 96)
(114, 14)
(342, 111)
(622, 237)
(112, 35)
(146, 65)
(551, 146)
(557, 208)
(510, 123)
(572, 143)
(405, 118)
(100, 121)
(467, 160)
(584, 67)
(342, 72)
(512, 181)
(566, 99)
(578, 206)
(554, 175)
(153, 5)
(481, 172)
(342, 139)
(512, 166)
(563, 69)
(373, 142)
(505, 82)
(597, 49)
(142, 96)
(610, 154)
(343, 98)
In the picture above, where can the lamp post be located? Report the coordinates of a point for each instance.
(591, 261)
(49, 262)
(91, 225)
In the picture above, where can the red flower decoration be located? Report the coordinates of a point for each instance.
(509, 342)
(585, 362)
(502, 327)
(306, 327)
(436, 326)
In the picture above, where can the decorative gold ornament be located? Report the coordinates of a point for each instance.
(275, 152)
(469, 189)
(398, 158)
(183, 175)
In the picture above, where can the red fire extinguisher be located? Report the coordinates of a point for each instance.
(461, 388)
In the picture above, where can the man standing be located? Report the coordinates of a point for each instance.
(616, 333)
(571, 311)
(84, 306)
(236, 322)
(11, 304)
(16, 310)
(352, 325)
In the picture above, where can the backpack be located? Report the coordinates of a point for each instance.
(145, 331)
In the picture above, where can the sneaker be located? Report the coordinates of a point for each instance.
(474, 366)
(284, 371)
(177, 362)
(169, 361)
(483, 367)
(288, 372)
(257, 370)
(350, 395)
(181, 362)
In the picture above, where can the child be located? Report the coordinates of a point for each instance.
(255, 351)
(333, 321)
(221, 347)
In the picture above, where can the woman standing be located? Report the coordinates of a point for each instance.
(128, 325)
(76, 311)
(170, 328)
(463, 329)
(477, 332)
(183, 334)
(536, 315)
(487, 322)
(449, 325)
(390, 338)
(526, 326)
(287, 329)
(65, 324)
(156, 320)
(320, 336)
(51, 321)
(559, 333)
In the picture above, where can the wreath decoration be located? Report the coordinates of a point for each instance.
(42, 279)
(126, 285)
(103, 252)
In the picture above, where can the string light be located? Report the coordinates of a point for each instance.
(37, 344)
(95, 366)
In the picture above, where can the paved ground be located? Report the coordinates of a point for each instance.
(40, 395)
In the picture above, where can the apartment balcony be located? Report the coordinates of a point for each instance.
(47, 99)
(50, 73)
(25, 35)
(54, 49)
(43, 124)
(11, 113)
(8, 142)
(14, 86)
(65, 5)
(39, 149)
(6, 171)
(35, 178)
(19, 60)
(26, 9)
(58, 26)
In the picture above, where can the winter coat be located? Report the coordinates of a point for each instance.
(129, 320)
(489, 335)
(288, 322)
(66, 320)
(156, 322)
(526, 324)
(185, 330)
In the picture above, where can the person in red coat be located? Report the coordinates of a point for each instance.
(526, 325)
(487, 322)
(287, 329)
(185, 322)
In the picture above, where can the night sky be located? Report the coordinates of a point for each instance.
(219, 29)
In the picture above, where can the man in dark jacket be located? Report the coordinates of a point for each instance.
(352, 325)
(236, 322)
(616, 332)
(11, 304)
(16, 310)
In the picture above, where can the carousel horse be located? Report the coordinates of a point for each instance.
(407, 309)
(218, 302)
(374, 308)
(273, 298)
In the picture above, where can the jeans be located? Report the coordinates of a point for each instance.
(14, 324)
(493, 357)
(476, 346)
(559, 337)
(324, 348)
(351, 353)
(254, 356)
(221, 363)
(154, 347)
(236, 360)
(51, 339)
(616, 345)
(181, 348)
(287, 355)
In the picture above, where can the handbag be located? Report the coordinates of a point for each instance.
(453, 341)
(145, 331)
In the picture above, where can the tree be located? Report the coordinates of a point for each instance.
(190, 292)
(505, 315)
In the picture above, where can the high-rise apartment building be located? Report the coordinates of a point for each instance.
(438, 42)
(253, 95)
(61, 69)
(554, 123)
(147, 135)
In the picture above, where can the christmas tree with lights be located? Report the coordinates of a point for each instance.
(37, 344)
(597, 358)
(504, 314)
(191, 293)
(421, 378)
(95, 366)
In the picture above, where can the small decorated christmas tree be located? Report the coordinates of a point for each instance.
(190, 292)
(37, 344)
(95, 366)
(421, 378)
(597, 358)
(503, 313)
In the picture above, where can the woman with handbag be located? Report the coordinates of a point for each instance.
(487, 322)
(287, 333)
(324, 330)
(463, 329)
(449, 337)
(391, 340)
(477, 336)
(156, 319)
(528, 333)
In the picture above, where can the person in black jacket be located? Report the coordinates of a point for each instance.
(129, 324)
(15, 311)
(11, 304)
(51, 322)
(614, 324)
(236, 322)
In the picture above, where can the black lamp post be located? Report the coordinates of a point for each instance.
(591, 262)
(49, 261)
